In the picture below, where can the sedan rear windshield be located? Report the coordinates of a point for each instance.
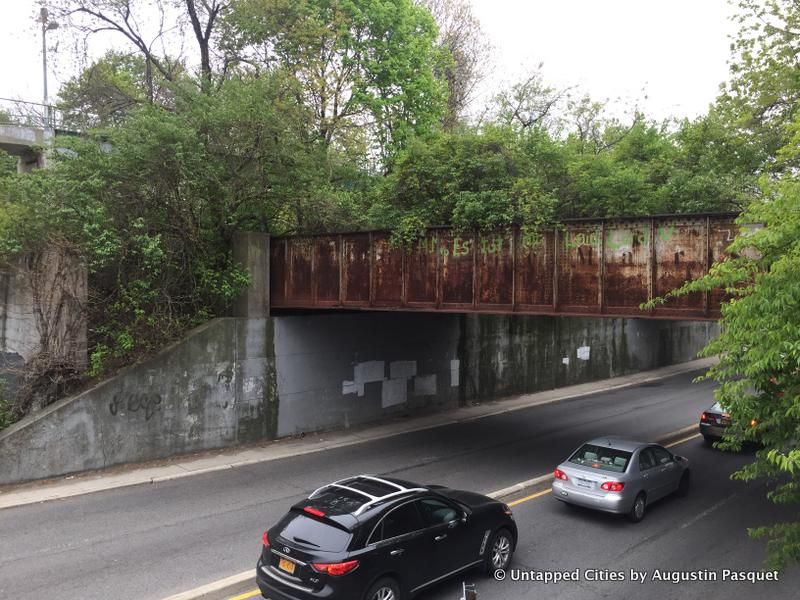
(313, 534)
(601, 457)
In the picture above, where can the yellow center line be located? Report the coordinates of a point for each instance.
(531, 497)
(681, 441)
(246, 595)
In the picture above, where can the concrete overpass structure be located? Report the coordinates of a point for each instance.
(26, 129)
(25, 143)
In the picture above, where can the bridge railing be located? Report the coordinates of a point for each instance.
(34, 114)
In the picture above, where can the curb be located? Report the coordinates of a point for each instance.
(214, 587)
(522, 486)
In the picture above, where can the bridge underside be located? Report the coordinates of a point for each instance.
(588, 267)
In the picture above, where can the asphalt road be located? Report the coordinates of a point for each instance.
(148, 542)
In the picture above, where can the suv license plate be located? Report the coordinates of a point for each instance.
(286, 565)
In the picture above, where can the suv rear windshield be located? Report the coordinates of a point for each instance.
(601, 457)
(309, 532)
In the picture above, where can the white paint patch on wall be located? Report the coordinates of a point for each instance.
(350, 387)
(373, 370)
(583, 352)
(394, 392)
(565, 360)
(455, 369)
(402, 369)
(425, 385)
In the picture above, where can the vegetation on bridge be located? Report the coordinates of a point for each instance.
(296, 116)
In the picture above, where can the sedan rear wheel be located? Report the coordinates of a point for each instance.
(637, 510)
(385, 589)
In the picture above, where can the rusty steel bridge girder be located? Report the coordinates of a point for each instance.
(599, 267)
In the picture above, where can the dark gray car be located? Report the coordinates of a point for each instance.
(714, 422)
(618, 475)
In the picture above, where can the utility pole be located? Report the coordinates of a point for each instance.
(47, 25)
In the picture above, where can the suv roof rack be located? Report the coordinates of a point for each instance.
(370, 499)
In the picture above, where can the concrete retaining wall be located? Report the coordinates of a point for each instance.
(213, 389)
(235, 380)
(506, 355)
(42, 302)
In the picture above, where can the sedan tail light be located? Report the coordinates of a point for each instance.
(265, 540)
(704, 417)
(612, 486)
(559, 474)
(335, 569)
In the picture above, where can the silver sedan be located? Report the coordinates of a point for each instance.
(618, 475)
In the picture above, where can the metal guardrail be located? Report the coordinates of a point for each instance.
(34, 114)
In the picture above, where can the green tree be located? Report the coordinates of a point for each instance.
(715, 168)
(109, 89)
(469, 50)
(529, 104)
(359, 65)
(759, 368)
(8, 164)
(128, 19)
(761, 97)
(468, 180)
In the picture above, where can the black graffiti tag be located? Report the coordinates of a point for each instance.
(149, 404)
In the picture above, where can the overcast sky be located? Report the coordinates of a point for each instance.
(672, 51)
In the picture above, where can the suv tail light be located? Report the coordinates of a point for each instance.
(704, 416)
(612, 486)
(335, 569)
(314, 511)
(264, 540)
(559, 474)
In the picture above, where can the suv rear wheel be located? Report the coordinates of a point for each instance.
(384, 589)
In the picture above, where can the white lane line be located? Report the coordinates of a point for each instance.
(708, 511)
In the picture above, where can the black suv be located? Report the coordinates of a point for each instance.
(377, 538)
